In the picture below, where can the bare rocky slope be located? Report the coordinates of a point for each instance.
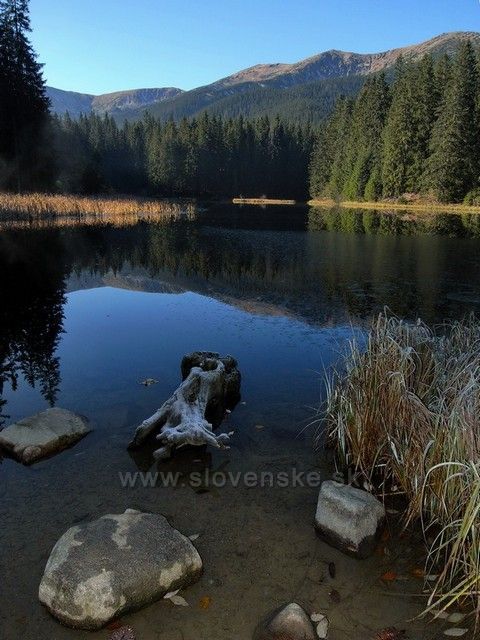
(112, 103)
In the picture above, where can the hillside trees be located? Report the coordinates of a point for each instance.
(420, 135)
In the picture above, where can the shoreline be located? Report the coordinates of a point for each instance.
(399, 206)
(46, 205)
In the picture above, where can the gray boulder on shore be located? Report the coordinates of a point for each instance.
(348, 518)
(99, 570)
(43, 434)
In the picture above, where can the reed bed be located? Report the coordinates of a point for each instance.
(405, 413)
(41, 206)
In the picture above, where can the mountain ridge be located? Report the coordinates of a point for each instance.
(259, 81)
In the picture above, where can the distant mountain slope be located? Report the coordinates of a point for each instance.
(308, 87)
(238, 93)
(69, 101)
(334, 64)
(113, 103)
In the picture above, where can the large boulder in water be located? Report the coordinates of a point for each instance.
(288, 622)
(99, 570)
(43, 434)
(348, 518)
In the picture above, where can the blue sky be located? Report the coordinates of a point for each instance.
(97, 46)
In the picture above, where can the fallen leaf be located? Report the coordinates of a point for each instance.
(178, 601)
(456, 617)
(389, 576)
(148, 382)
(418, 572)
(124, 633)
(113, 626)
(389, 634)
(332, 570)
(205, 602)
(385, 536)
(455, 632)
(334, 596)
(442, 615)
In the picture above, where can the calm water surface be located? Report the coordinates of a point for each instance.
(87, 312)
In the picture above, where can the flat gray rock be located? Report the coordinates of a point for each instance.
(289, 622)
(43, 434)
(99, 570)
(348, 518)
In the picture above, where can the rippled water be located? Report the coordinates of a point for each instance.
(88, 311)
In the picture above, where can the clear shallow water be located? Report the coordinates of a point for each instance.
(87, 312)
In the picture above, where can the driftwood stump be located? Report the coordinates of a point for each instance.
(211, 385)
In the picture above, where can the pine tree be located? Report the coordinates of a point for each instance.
(23, 105)
(453, 166)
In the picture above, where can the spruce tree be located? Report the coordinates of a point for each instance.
(338, 134)
(452, 169)
(408, 128)
(23, 104)
(364, 146)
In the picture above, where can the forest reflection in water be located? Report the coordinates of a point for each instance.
(321, 266)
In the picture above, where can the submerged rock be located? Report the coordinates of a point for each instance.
(99, 570)
(349, 519)
(43, 434)
(288, 622)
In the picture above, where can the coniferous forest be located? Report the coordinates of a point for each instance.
(419, 134)
(416, 132)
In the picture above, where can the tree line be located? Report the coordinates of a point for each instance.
(419, 134)
(204, 156)
(416, 134)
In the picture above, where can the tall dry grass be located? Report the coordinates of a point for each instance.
(42, 207)
(405, 412)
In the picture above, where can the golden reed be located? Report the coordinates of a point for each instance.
(65, 210)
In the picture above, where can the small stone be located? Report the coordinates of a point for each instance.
(43, 434)
(289, 621)
(349, 519)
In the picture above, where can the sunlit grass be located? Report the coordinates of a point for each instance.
(43, 207)
(396, 205)
(406, 414)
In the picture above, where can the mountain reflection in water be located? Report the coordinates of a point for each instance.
(325, 267)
